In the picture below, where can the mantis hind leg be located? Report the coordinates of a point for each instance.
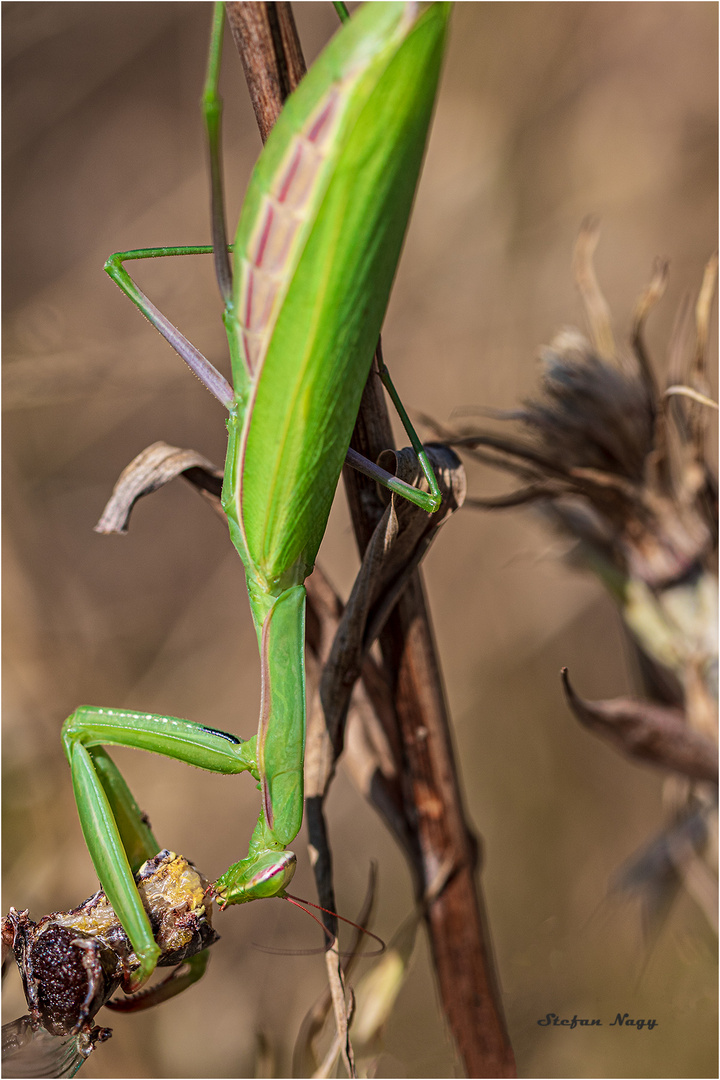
(212, 112)
(429, 501)
(435, 498)
(208, 375)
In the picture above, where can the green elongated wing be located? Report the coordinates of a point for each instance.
(316, 252)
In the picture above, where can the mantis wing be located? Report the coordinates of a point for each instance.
(315, 256)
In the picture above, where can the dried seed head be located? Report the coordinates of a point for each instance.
(620, 466)
(617, 464)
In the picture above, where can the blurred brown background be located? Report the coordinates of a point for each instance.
(547, 112)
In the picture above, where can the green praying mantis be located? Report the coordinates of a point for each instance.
(313, 262)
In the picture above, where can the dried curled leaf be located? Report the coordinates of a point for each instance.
(156, 466)
(652, 733)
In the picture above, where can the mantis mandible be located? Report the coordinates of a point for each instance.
(314, 258)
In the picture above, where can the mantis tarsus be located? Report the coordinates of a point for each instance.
(313, 262)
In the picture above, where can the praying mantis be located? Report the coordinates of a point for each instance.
(314, 257)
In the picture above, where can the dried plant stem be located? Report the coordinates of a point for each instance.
(434, 812)
(439, 836)
(266, 38)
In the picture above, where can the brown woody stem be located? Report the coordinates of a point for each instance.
(438, 835)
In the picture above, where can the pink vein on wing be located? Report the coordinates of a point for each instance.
(283, 223)
(275, 244)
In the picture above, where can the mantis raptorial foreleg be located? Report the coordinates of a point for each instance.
(117, 836)
(313, 261)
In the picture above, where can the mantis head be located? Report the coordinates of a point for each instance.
(256, 878)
